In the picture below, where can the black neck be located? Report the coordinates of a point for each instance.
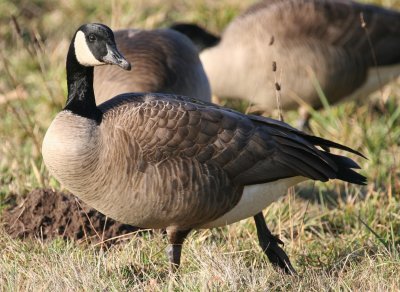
(81, 100)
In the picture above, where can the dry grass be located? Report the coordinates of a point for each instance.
(321, 225)
(330, 247)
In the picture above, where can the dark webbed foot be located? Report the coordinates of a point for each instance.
(269, 244)
(176, 239)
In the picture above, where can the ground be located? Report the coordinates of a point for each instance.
(338, 236)
(45, 215)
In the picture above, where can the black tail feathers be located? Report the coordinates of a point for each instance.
(199, 36)
(345, 170)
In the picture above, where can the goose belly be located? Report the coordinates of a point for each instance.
(181, 192)
(254, 199)
(376, 78)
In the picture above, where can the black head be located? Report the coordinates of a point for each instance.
(198, 35)
(94, 45)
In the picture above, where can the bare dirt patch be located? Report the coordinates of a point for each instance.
(45, 214)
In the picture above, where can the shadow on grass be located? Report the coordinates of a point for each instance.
(329, 198)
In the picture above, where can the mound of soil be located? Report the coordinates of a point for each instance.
(46, 214)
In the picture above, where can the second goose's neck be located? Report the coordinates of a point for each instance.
(81, 100)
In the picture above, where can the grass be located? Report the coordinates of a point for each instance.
(339, 236)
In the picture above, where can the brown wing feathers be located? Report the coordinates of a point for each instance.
(341, 23)
(312, 139)
(250, 149)
(302, 155)
(318, 164)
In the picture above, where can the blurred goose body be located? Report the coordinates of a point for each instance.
(314, 43)
(165, 61)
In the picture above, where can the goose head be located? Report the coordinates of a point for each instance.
(94, 45)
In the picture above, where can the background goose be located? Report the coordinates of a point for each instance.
(173, 162)
(308, 39)
(165, 61)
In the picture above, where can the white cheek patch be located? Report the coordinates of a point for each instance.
(83, 53)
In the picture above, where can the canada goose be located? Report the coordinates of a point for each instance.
(165, 61)
(325, 40)
(174, 162)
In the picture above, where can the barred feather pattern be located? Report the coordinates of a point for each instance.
(159, 160)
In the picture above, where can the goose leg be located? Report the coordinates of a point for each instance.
(303, 123)
(175, 239)
(269, 244)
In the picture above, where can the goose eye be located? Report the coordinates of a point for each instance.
(91, 38)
